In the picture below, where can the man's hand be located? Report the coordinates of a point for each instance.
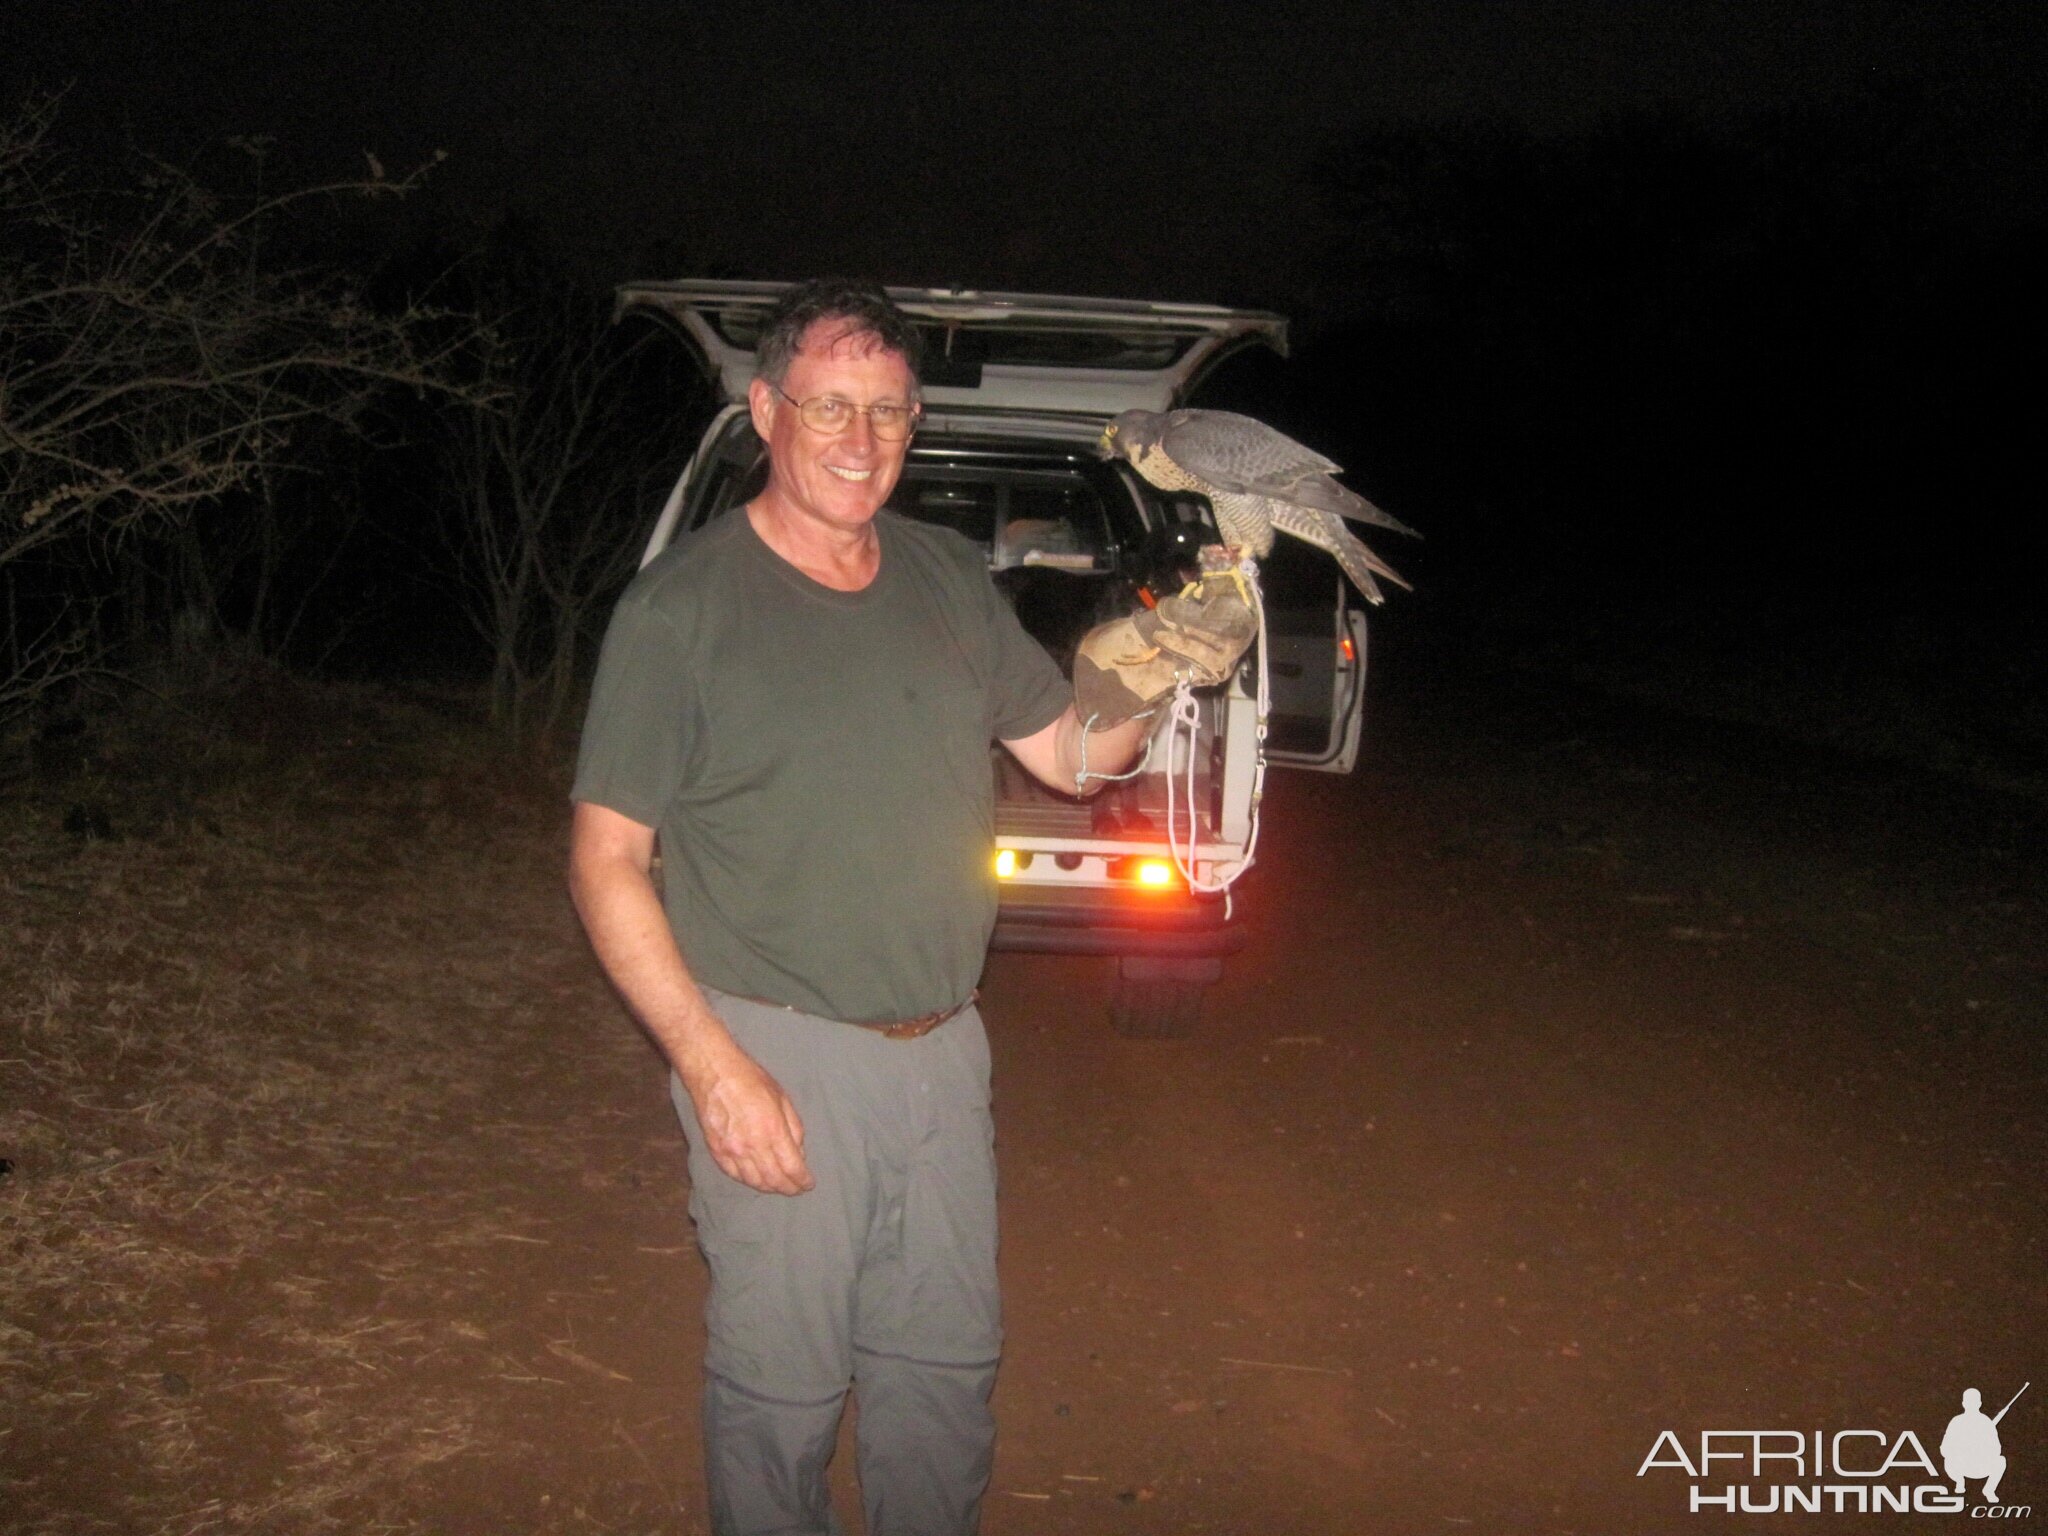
(752, 1129)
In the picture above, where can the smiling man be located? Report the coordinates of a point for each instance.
(798, 701)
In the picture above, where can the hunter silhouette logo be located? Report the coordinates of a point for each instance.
(1970, 1448)
(1844, 1471)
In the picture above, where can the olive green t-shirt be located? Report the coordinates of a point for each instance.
(817, 762)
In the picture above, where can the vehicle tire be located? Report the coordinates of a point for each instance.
(1155, 1010)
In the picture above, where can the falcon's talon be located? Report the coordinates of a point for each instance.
(1239, 570)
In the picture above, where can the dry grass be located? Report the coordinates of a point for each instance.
(251, 1049)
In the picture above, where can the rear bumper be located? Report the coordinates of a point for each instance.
(1093, 922)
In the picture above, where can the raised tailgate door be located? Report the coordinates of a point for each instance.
(993, 351)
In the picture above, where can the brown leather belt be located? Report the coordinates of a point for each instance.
(894, 1029)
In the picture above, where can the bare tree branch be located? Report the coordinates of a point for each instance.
(149, 360)
(551, 483)
(155, 359)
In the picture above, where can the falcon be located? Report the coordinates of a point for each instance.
(1257, 480)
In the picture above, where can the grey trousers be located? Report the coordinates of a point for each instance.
(882, 1277)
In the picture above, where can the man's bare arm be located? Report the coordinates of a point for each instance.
(752, 1128)
(1053, 755)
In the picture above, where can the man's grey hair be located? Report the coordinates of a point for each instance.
(865, 308)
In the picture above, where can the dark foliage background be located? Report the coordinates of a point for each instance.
(1700, 349)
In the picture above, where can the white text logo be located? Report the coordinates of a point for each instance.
(1849, 1471)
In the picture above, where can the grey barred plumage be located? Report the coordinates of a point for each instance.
(1257, 480)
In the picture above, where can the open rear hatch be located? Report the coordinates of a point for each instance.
(1029, 352)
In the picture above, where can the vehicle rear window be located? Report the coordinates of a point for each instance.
(1046, 518)
(1020, 516)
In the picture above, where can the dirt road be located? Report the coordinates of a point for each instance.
(1589, 1075)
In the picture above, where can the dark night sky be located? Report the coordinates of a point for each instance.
(1161, 150)
(1745, 369)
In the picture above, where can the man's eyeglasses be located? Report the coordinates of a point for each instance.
(831, 415)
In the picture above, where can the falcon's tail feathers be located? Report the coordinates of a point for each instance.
(1330, 535)
(1361, 565)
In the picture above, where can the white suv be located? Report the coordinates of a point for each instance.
(1017, 388)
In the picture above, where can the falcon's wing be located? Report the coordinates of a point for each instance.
(1238, 453)
(1326, 495)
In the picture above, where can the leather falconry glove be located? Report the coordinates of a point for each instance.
(1130, 666)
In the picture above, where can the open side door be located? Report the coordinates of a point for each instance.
(1317, 668)
(993, 351)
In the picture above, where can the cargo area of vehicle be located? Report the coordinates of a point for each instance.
(1135, 810)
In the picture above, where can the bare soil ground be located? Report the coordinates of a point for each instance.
(1589, 1074)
